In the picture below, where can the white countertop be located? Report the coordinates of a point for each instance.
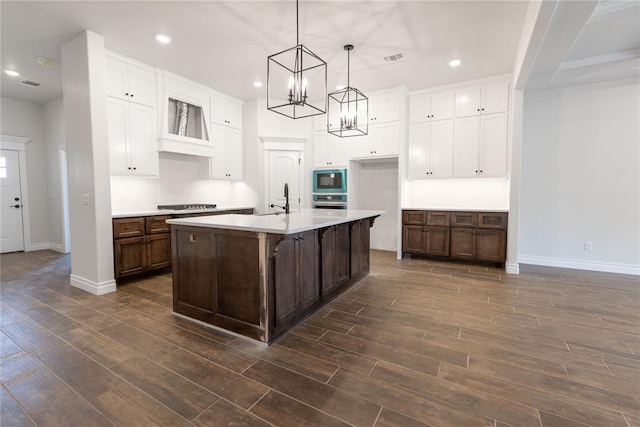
(152, 212)
(295, 222)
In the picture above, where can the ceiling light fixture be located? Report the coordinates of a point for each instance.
(304, 74)
(12, 73)
(45, 62)
(350, 105)
(257, 84)
(164, 38)
(454, 63)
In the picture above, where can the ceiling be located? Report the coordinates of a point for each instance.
(224, 44)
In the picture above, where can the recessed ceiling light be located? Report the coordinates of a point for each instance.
(340, 87)
(454, 63)
(45, 62)
(12, 73)
(164, 38)
(257, 84)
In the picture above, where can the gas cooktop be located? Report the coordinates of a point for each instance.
(187, 207)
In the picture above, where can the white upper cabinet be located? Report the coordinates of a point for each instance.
(130, 82)
(480, 146)
(226, 163)
(329, 151)
(486, 99)
(226, 112)
(425, 107)
(384, 108)
(132, 133)
(383, 140)
(431, 150)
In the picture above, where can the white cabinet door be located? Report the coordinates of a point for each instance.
(493, 145)
(385, 108)
(234, 154)
(142, 86)
(225, 112)
(442, 105)
(219, 159)
(465, 147)
(116, 73)
(441, 149)
(419, 107)
(419, 150)
(322, 149)
(495, 98)
(117, 132)
(143, 144)
(468, 101)
(386, 139)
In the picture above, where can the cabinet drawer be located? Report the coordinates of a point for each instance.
(438, 218)
(492, 220)
(157, 224)
(414, 217)
(463, 219)
(128, 227)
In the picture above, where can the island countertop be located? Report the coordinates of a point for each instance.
(295, 222)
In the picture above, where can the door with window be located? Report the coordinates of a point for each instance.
(11, 231)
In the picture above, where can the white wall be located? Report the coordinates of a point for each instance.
(26, 119)
(54, 135)
(580, 177)
(447, 194)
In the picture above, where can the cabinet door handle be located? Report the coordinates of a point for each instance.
(126, 93)
(482, 109)
(193, 238)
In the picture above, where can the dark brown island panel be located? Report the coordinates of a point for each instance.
(143, 243)
(261, 284)
(475, 236)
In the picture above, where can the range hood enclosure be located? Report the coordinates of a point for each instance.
(184, 116)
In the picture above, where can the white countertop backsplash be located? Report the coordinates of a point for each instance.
(295, 222)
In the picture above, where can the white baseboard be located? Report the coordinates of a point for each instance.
(37, 246)
(93, 287)
(56, 247)
(512, 268)
(581, 265)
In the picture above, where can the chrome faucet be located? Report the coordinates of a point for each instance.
(286, 200)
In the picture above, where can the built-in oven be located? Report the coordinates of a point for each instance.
(330, 181)
(330, 201)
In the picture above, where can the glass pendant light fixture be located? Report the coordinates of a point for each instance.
(348, 108)
(296, 81)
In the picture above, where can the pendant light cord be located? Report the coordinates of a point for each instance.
(297, 27)
(348, 68)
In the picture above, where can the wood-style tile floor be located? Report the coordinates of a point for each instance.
(415, 343)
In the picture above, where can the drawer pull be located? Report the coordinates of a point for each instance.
(193, 238)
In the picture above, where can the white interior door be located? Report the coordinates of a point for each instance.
(283, 167)
(11, 232)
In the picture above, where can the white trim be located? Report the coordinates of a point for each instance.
(57, 247)
(512, 268)
(282, 143)
(581, 265)
(19, 144)
(42, 246)
(93, 287)
(463, 84)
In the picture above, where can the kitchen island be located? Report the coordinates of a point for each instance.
(260, 275)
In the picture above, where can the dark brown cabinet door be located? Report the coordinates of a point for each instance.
(413, 239)
(414, 217)
(195, 274)
(463, 243)
(130, 256)
(308, 272)
(491, 245)
(285, 292)
(437, 241)
(158, 251)
(365, 243)
(355, 247)
(341, 254)
(328, 256)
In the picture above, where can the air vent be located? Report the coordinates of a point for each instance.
(400, 56)
(31, 83)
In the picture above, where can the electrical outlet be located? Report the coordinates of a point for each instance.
(588, 246)
(86, 199)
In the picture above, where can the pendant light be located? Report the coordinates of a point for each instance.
(296, 81)
(348, 108)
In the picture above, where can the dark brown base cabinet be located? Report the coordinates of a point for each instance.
(478, 236)
(143, 244)
(259, 284)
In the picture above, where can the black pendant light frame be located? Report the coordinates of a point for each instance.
(306, 64)
(348, 108)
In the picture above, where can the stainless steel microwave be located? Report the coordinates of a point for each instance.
(330, 181)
